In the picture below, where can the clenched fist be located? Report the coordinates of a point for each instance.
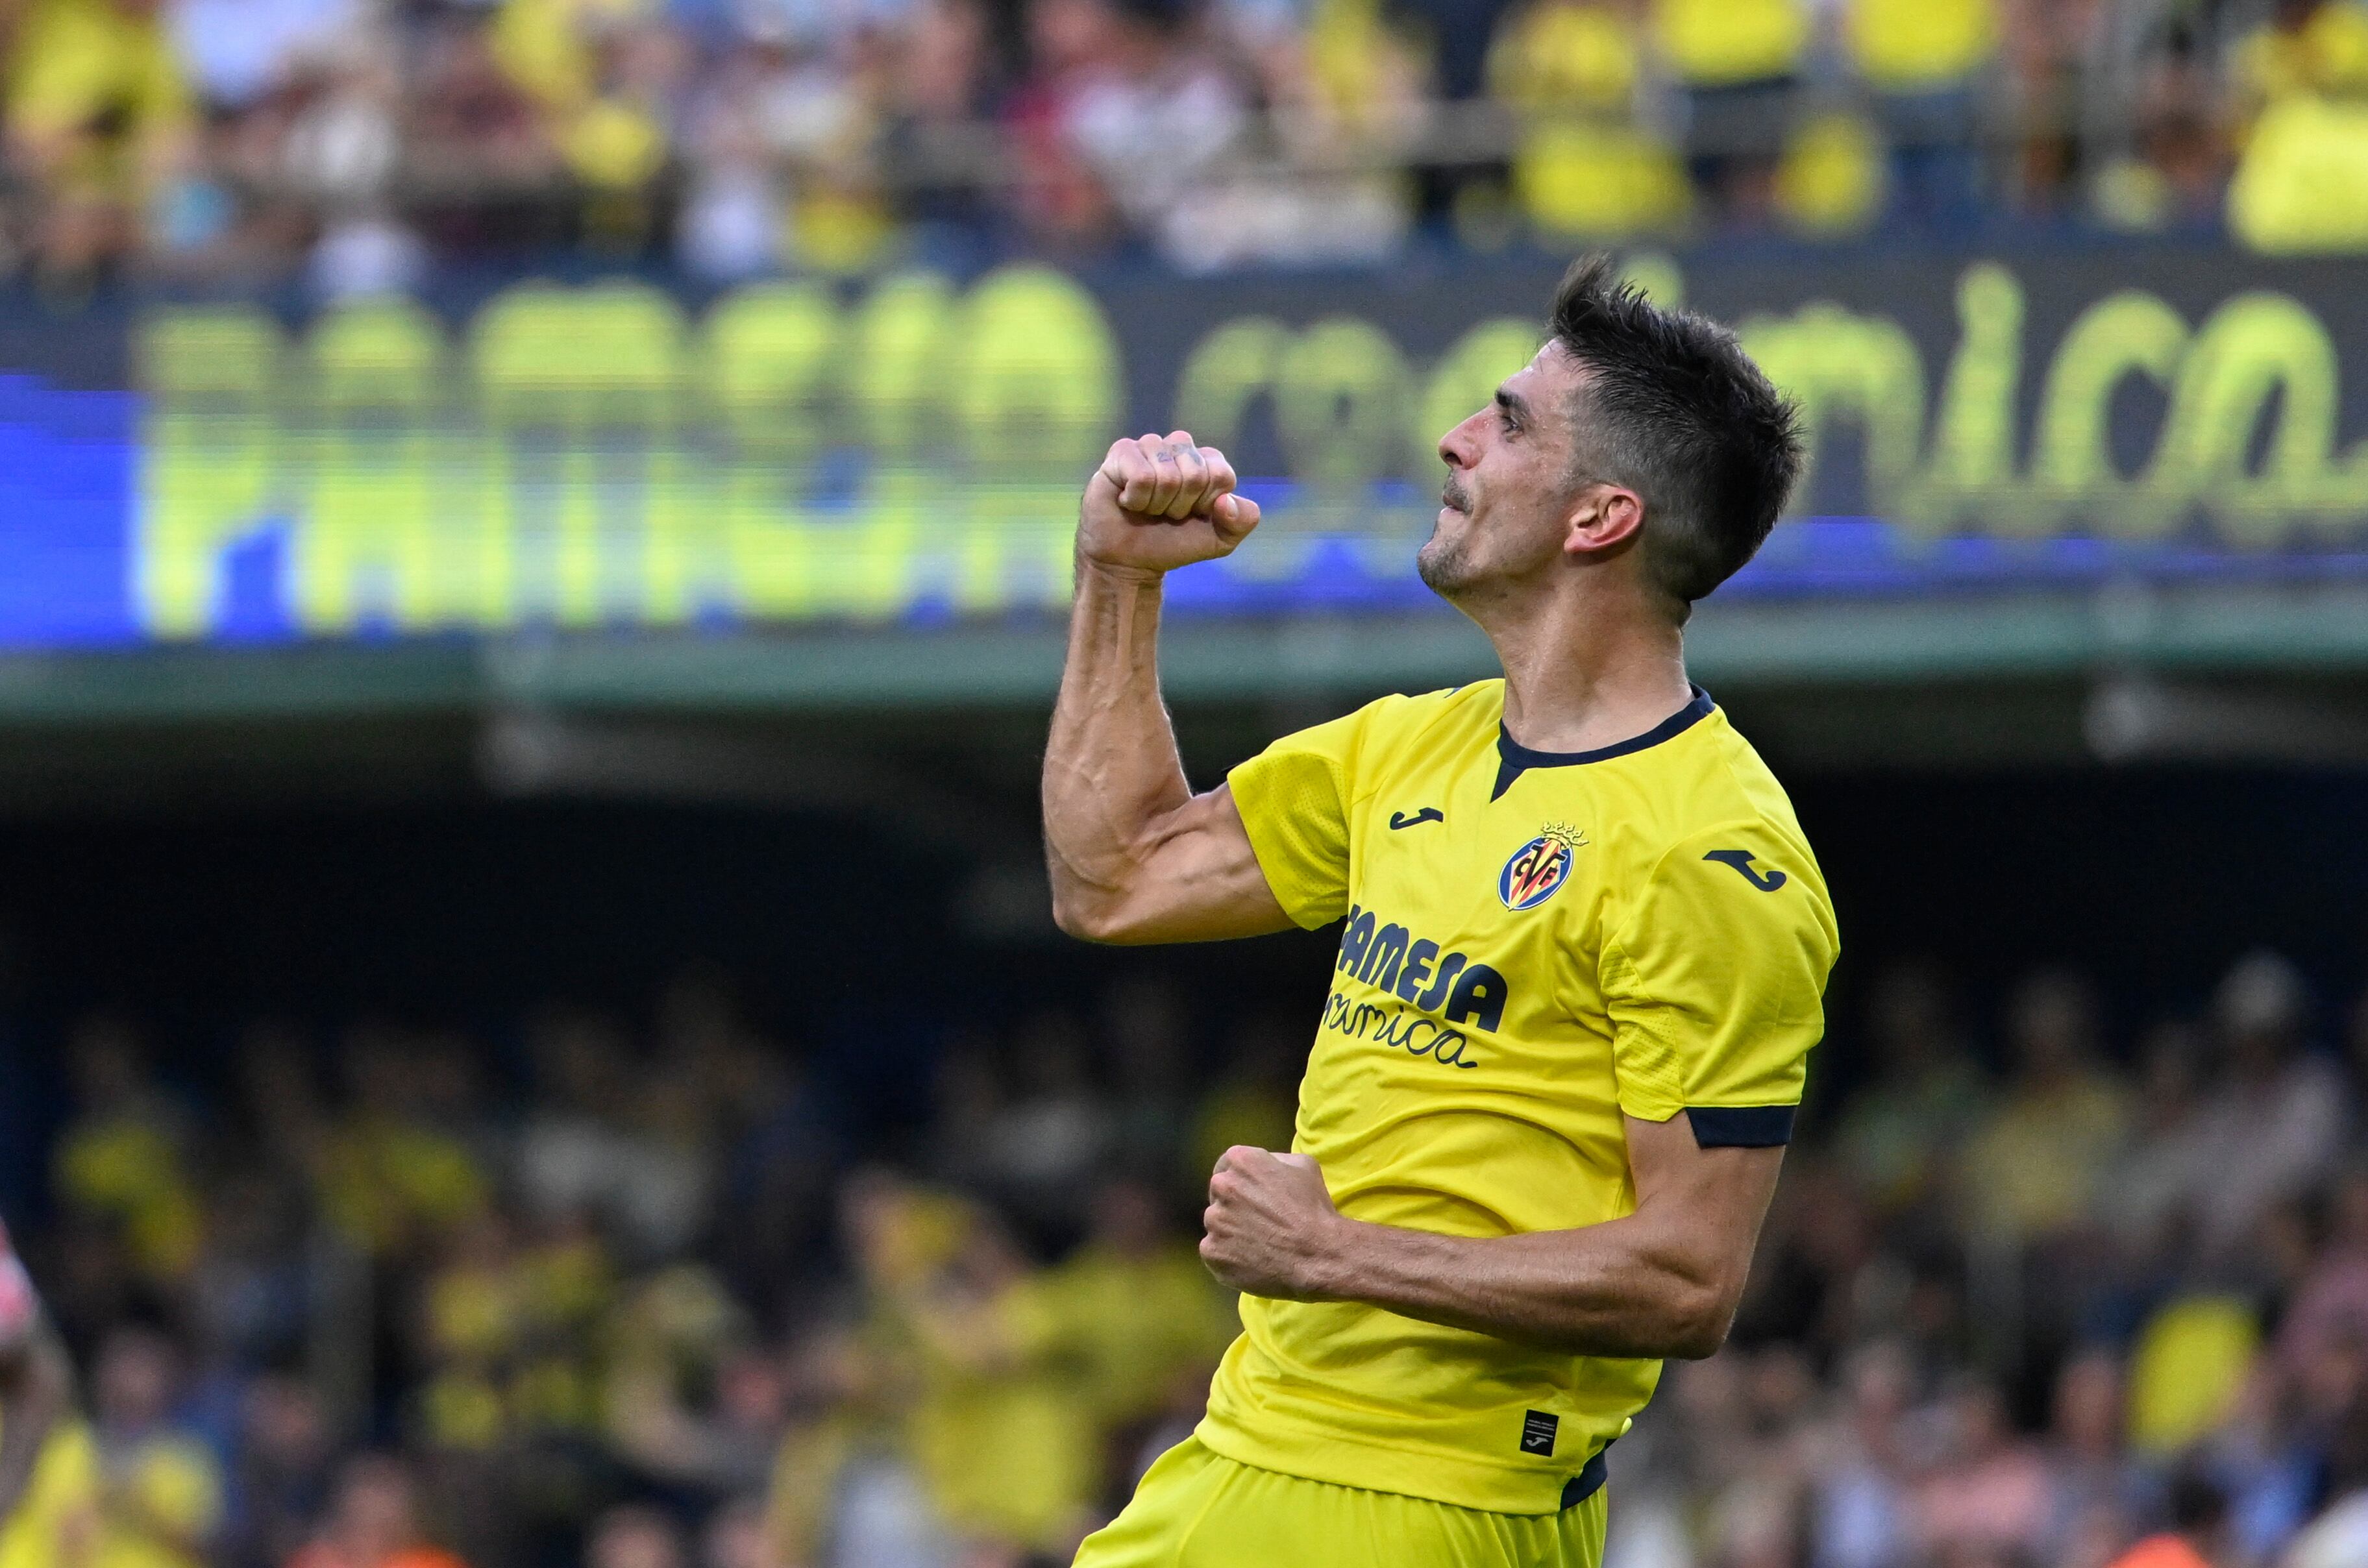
(1158, 503)
(1272, 1228)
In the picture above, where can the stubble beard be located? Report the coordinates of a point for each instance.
(1443, 565)
(1446, 562)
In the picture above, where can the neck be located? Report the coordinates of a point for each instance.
(1585, 669)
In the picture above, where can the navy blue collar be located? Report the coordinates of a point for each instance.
(1513, 758)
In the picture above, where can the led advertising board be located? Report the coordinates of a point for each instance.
(907, 450)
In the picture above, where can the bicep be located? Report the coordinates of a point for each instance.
(1709, 1202)
(1199, 881)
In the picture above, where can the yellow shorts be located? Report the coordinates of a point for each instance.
(1195, 1509)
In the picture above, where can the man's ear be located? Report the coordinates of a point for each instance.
(1605, 518)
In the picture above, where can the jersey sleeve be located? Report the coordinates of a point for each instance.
(1715, 985)
(1293, 798)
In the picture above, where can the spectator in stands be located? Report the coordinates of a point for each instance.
(634, 1537)
(2033, 1169)
(1926, 62)
(396, 1179)
(692, 1405)
(1139, 1320)
(1591, 161)
(2172, 174)
(237, 54)
(472, 134)
(1738, 63)
(2198, 1534)
(735, 1536)
(124, 1163)
(344, 150)
(280, 1486)
(1045, 1143)
(1001, 1434)
(1125, 123)
(2331, 1305)
(1991, 1490)
(2306, 154)
(2099, 1494)
(1902, 1130)
(99, 119)
(1862, 1515)
(1349, 95)
(2274, 1118)
(160, 1494)
(2145, 1209)
(373, 1523)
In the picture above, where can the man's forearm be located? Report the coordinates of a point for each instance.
(1110, 764)
(1619, 1288)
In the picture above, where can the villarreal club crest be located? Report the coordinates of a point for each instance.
(1539, 867)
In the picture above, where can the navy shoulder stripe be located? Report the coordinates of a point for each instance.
(1741, 1127)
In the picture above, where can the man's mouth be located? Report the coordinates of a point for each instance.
(1453, 496)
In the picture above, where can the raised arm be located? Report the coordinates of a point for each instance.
(1134, 854)
(1663, 1282)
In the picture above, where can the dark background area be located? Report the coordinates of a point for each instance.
(850, 942)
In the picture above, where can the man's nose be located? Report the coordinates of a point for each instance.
(1455, 447)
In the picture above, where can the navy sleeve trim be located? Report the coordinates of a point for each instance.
(1741, 1126)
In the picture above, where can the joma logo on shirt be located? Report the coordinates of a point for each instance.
(1389, 958)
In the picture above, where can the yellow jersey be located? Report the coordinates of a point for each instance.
(1536, 944)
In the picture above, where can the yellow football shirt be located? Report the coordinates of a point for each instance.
(1535, 944)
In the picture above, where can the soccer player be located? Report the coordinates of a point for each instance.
(1584, 958)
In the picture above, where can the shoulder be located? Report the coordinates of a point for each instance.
(1384, 736)
(1711, 794)
(1406, 716)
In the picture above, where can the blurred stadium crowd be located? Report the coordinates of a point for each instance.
(357, 143)
(650, 1301)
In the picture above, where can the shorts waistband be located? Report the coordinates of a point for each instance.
(1589, 1480)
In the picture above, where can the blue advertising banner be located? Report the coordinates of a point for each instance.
(613, 453)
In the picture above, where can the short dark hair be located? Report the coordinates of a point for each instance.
(1672, 408)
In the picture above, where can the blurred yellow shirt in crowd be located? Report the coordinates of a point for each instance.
(1719, 43)
(1537, 946)
(81, 65)
(1006, 1442)
(56, 1526)
(2302, 185)
(2035, 1168)
(164, 1490)
(1135, 1325)
(2188, 1371)
(2327, 54)
(1906, 46)
(388, 1182)
(1600, 181)
(1584, 166)
(1833, 177)
(129, 1170)
(1559, 56)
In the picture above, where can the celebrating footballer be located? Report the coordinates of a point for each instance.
(1583, 956)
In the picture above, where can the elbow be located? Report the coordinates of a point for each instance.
(1700, 1320)
(1077, 918)
(1089, 918)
